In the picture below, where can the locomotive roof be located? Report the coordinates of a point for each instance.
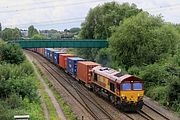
(112, 74)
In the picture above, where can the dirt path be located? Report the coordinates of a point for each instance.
(49, 92)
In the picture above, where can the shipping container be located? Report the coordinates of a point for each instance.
(63, 60)
(84, 70)
(40, 51)
(48, 53)
(45, 52)
(51, 54)
(72, 65)
(56, 56)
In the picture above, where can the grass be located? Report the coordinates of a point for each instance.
(52, 111)
(64, 106)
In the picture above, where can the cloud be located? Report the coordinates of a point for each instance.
(24, 13)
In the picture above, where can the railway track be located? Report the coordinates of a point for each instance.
(85, 98)
(85, 101)
(157, 112)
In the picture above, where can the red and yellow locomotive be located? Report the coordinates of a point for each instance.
(123, 90)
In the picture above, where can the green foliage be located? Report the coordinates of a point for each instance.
(32, 31)
(154, 74)
(74, 30)
(134, 70)
(178, 27)
(99, 22)
(27, 107)
(17, 79)
(33, 109)
(38, 36)
(104, 57)
(162, 83)
(10, 53)
(158, 93)
(14, 101)
(18, 92)
(143, 39)
(173, 91)
(11, 34)
(55, 36)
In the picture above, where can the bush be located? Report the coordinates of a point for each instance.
(14, 101)
(158, 93)
(154, 75)
(134, 70)
(173, 91)
(11, 54)
(17, 79)
(104, 57)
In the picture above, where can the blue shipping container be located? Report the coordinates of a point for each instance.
(45, 52)
(51, 55)
(72, 65)
(48, 53)
(56, 56)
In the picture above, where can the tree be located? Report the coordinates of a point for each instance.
(10, 53)
(38, 36)
(11, 34)
(104, 57)
(100, 20)
(74, 30)
(16, 33)
(173, 91)
(32, 31)
(55, 36)
(143, 39)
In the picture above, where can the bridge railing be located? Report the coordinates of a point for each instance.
(67, 43)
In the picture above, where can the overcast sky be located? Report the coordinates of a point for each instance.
(61, 14)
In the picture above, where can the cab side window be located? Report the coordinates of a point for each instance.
(118, 87)
(95, 77)
(112, 87)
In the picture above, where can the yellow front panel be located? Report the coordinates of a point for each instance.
(131, 95)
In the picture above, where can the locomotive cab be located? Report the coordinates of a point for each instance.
(131, 93)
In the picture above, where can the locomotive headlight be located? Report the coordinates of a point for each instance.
(124, 97)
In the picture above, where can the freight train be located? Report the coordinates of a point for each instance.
(123, 90)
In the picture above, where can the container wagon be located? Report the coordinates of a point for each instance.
(63, 60)
(84, 71)
(72, 65)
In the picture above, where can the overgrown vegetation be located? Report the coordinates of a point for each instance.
(140, 43)
(65, 107)
(12, 54)
(17, 85)
(51, 110)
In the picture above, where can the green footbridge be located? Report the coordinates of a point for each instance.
(67, 43)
